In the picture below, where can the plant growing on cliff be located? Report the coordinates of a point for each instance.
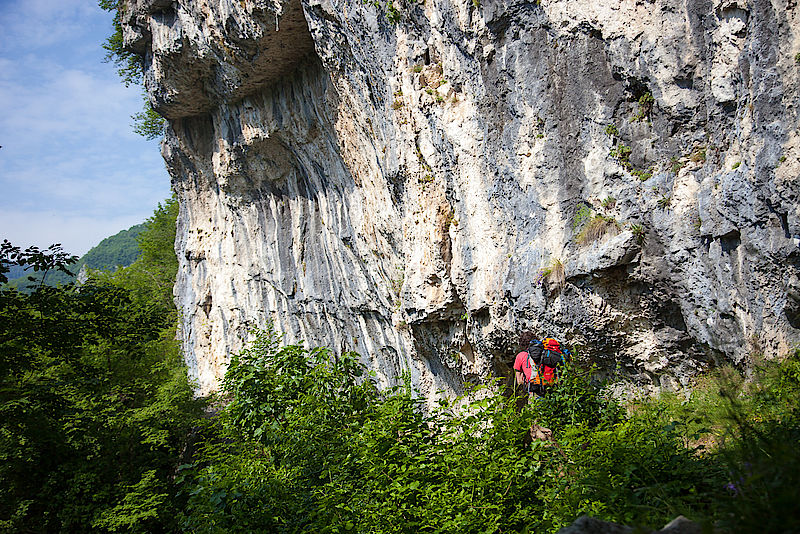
(597, 228)
(676, 164)
(622, 154)
(643, 175)
(612, 131)
(554, 275)
(646, 102)
(609, 203)
(392, 13)
(638, 232)
(698, 155)
(581, 216)
(130, 67)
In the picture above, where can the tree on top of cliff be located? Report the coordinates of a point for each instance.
(129, 65)
(147, 123)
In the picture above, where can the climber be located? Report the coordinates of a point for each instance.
(535, 365)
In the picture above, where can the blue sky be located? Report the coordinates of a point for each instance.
(71, 169)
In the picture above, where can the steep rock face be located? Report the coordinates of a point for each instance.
(407, 180)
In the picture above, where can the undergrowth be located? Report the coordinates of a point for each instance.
(308, 443)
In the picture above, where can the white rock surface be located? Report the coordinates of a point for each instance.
(395, 188)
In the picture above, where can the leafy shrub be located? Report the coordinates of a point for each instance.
(95, 406)
(612, 131)
(746, 432)
(308, 443)
(622, 154)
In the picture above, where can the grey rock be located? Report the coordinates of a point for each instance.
(590, 525)
(395, 188)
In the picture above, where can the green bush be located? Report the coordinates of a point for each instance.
(307, 443)
(95, 406)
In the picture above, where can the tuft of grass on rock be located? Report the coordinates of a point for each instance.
(597, 228)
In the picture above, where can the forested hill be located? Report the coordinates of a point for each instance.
(118, 250)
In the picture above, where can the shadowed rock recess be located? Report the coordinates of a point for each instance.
(401, 179)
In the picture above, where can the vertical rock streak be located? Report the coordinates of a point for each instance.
(400, 181)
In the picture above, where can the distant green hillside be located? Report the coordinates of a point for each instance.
(121, 249)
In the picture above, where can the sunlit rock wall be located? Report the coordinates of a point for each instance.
(399, 179)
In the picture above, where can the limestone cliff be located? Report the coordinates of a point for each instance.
(406, 179)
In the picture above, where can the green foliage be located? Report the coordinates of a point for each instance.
(736, 165)
(51, 259)
(308, 444)
(646, 102)
(130, 67)
(554, 274)
(612, 131)
(638, 231)
(148, 123)
(797, 58)
(392, 13)
(609, 203)
(581, 217)
(150, 278)
(642, 174)
(95, 408)
(748, 430)
(622, 153)
(664, 202)
(121, 249)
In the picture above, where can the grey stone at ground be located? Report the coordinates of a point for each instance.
(590, 525)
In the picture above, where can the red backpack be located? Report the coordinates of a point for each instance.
(544, 357)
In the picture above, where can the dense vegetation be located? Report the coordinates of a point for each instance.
(99, 432)
(307, 444)
(95, 406)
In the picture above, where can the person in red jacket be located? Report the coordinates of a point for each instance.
(525, 369)
(535, 366)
